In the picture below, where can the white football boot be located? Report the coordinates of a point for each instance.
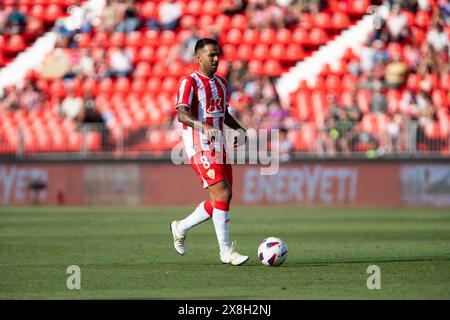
(232, 257)
(178, 240)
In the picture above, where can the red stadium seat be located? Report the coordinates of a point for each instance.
(37, 11)
(187, 22)
(418, 34)
(57, 88)
(194, 8)
(122, 85)
(2, 60)
(277, 52)
(306, 21)
(358, 7)
(245, 52)
(211, 8)
(105, 85)
(229, 52)
(53, 12)
(83, 40)
(16, 43)
(154, 85)
(142, 70)
(167, 38)
(159, 69)
(138, 86)
(299, 36)
(204, 22)
(162, 52)
(117, 39)
(89, 85)
(340, 21)
(422, 19)
(272, 68)
(239, 21)
(234, 36)
(100, 40)
(149, 9)
(33, 28)
(322, 20)
(261, 52)
(151, 38)
(146, 53)
(2, 41)
(169, 85)
(317, 37)
(294, 52)
(223, 22)
(134, 39)
(222, 70)
(267, 36)
(256, 67)
(283, 36)
(393, 98)
(413, 81)
(175, 69)
(250, 36)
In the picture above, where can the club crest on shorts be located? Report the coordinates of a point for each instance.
(211, 173)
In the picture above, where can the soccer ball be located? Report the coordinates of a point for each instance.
(272, 251)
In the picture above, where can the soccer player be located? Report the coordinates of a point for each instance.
(202, 103)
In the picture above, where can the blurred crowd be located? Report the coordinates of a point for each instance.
(253, 98)
(390, 55)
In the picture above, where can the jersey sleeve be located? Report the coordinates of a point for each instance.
(185, 93)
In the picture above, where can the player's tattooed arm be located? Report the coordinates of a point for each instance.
(185, 117)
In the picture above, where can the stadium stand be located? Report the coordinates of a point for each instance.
(126, 65)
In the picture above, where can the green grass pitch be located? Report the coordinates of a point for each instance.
(127, 253)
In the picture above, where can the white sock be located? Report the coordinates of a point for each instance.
(195, 218)
(222, 226)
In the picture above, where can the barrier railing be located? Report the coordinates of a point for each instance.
(333, 140)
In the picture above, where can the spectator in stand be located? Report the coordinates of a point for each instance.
(120, 63)
(130, 20)
(71, 106)
(86, 64)
(443, 11)
(378, 101)
(169, 16)
(4, 13)
(413, 105)
(265, 14)
(393, 130)
(235, 7)
(92, 119)
(16, 21)
(11, 99)
(285, 146)
(31, 97)
(397, 24)
(430, 62)
(412, 57)
(109, 17)
(396, 73)
(366, 56)
(437, 38)
(188, 46)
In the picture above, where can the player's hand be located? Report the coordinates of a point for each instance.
(210, 132)
(240, 139)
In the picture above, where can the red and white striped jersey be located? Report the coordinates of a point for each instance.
(207, 99)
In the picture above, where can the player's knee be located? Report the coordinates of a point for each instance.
(225, 195)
